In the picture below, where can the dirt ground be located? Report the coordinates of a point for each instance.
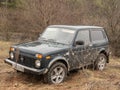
(87, 79)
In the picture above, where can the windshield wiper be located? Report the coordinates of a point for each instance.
(61, 43)
(41, 38)
(47, 40)
(50, 40)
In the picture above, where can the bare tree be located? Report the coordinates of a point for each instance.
(27, 18)
(111, 12)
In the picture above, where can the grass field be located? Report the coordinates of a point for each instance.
(109, 79)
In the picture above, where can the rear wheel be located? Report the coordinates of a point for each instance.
(101, 62)
(56, 74)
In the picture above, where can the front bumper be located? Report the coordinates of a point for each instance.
(23, 68)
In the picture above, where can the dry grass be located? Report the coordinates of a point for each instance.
(4, 48)
(109, 79)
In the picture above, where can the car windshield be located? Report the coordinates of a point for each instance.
(58, 35)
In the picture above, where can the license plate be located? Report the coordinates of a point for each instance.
(18, 67)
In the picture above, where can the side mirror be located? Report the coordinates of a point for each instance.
(79, 42)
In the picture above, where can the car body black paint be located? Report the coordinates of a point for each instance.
(75, 56)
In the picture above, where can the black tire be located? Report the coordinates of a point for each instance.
(100, 62)
(56, 66)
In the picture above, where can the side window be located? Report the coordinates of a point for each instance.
(97, 35)
(84, 36)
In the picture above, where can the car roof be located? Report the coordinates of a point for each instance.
(77, 27)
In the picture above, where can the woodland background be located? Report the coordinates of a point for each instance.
(24, 20)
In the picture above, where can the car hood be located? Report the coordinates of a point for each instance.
(41, 47)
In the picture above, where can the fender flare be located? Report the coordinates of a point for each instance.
(59, 58)
(105, 52)
(102, 49)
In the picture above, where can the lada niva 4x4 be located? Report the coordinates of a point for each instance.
(60, 49)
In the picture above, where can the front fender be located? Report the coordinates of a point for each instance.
(59, 58)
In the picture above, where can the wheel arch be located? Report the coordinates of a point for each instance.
(60, 59)
(103, 51)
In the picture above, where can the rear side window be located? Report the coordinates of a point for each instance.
(97, 35)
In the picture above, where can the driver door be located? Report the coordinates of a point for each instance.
(82, 53)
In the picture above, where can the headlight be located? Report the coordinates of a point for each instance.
(11, 55)
(37, 63)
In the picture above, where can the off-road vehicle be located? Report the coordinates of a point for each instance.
(60, 49)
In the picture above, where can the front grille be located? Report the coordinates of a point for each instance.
(24, 58)
(26, 61)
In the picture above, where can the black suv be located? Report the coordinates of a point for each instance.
(61, 49)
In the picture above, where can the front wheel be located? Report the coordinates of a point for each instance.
(56, 74)
(101, 62)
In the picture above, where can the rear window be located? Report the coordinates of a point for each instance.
(97, 35)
